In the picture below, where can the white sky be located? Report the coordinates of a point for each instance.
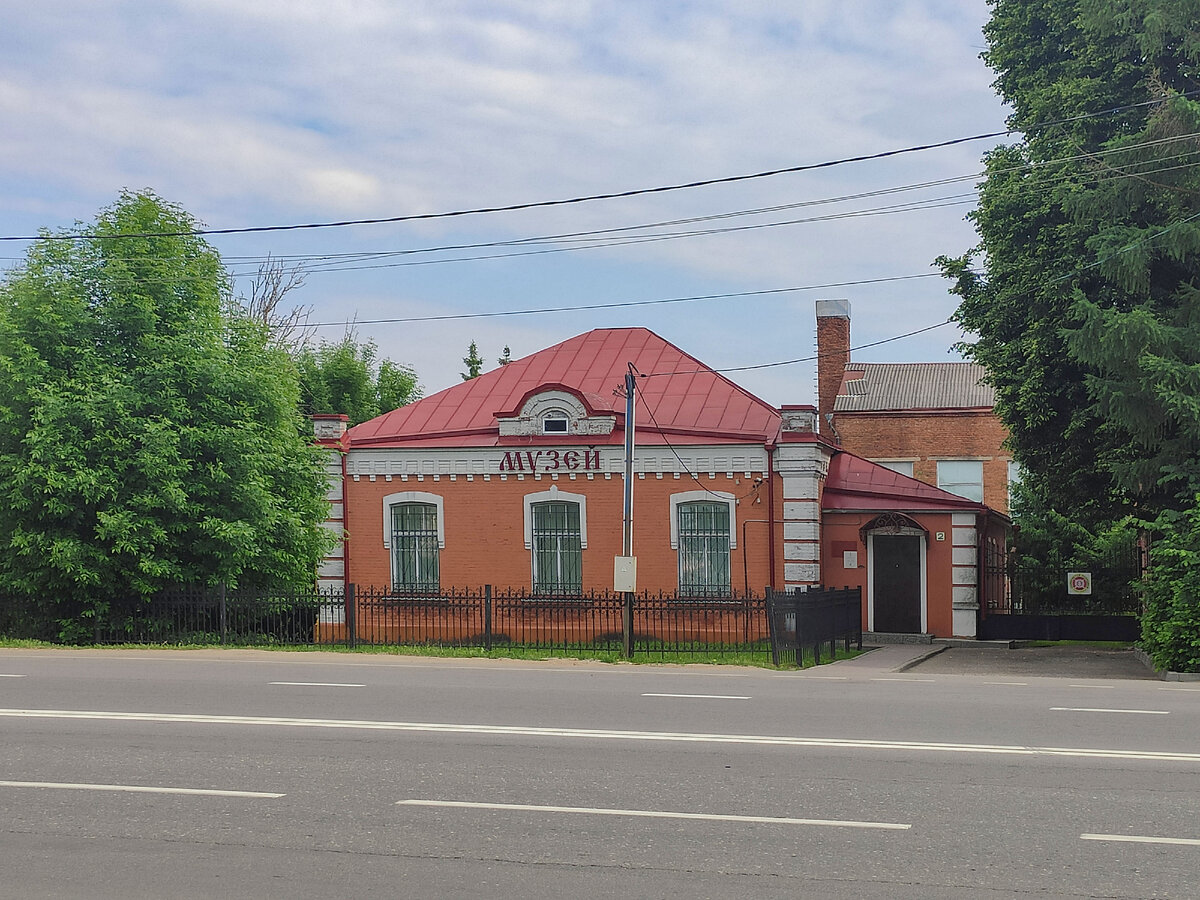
(264, 112)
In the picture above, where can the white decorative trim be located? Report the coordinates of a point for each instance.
(711, 496)
(555, 494)
(412, 497)
(556, 404)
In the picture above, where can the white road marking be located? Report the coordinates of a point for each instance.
(701, 696)
(821, 677)
(1140, 839)
(1010, 683)
(655, 814)
(1097, 687)
(6, 675)
(929, 680)
(137, 789)
(1192, 690)
(603, 734)
(1139, 712)
(314, 684)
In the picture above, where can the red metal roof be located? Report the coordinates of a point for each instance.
(857, 483)
(680, 397)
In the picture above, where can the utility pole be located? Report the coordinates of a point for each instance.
(627, 522)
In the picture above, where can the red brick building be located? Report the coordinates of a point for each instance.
(935, 422)
(516, 479)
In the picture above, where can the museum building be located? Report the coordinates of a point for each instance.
(516, 479)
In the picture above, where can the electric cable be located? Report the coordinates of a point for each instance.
(587, 198)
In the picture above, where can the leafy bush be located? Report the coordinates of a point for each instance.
(1171, 622)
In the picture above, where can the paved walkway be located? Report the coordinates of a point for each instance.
(888, 658)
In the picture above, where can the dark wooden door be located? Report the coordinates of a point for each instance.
(896, 583)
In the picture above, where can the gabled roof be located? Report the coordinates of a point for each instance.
(681, 397)
(856, 483)
(880, 387)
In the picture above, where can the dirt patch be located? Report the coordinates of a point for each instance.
(1043, 662)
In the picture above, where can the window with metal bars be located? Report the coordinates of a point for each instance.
(557, 548)
(704, 549)
(415, 548)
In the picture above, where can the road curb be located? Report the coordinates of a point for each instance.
(1164, 674)
(933, 650)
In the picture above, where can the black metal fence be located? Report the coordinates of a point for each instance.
(217, 616)
(1029, 589)
(476, 618)
(804, 619)
(1032, 603)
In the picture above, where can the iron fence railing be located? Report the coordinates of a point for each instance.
(479, 617)
(1012, 585)
(810, 619)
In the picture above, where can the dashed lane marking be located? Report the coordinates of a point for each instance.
(1140, 839)
(701, 696)
(315, 684)
(655, 814)
(138, 789)
(1138, 712)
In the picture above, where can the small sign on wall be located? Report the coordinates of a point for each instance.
(1079, 582)
(849, 559)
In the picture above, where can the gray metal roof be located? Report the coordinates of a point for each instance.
(897, 386)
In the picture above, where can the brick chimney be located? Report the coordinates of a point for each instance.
(833, 352)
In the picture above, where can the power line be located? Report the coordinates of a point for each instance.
(619, 305)
(802, 359)
(514, 207)
(587, 198)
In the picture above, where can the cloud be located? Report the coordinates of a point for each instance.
(302, 111)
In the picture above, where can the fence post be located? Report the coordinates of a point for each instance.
(771, 635)
(224, 620)
(627, 626)
(798, 596)
(351, 616)
(487, 617)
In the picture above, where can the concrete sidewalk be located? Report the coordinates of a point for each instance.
(887, 658)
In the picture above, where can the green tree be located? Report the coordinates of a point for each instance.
(1086, 308)
(348, 377)
(506, 357)
(148, 437)
(474, 363)
(1171, 623)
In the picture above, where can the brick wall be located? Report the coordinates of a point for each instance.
(483, 520)
(833, 352)
(926, 437)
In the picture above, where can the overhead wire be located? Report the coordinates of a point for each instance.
(662, 433)
(515, 207)
(587, 198)
(596, 238)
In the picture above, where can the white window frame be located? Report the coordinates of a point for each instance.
(555, 494)
(556, 415)
(711, 497)
(891, 465)
(412, 497)
(947, 485)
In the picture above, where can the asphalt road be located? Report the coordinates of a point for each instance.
(243, 774)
